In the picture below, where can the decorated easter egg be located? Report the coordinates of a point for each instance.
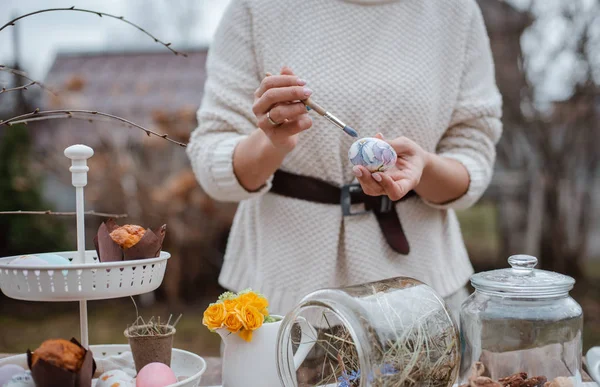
(8, 371)
(115, 378)
(374, 154)
(155, 375)
(29, 260)
(54, 259)
(21, 380)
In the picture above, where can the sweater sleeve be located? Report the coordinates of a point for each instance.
(475, 126)
(225, 116)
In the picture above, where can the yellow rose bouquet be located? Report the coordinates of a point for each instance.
(240, 313)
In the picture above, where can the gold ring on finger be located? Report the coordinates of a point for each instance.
(271, 120)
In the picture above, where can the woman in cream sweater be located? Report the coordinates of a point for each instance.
(419, 72)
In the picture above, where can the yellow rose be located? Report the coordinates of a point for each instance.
(256, 301)
(214, 316)
(233, 322)
(231, 305)
(251, 318)
(246, 335)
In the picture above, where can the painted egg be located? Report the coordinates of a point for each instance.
(8, 371)
(155, 375)
(374, 154)
(29, 260)
(21, 380)
(115, 378)
(54, 259)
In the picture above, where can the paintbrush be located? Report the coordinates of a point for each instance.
(312, 105)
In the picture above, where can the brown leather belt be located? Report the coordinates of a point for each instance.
(315, 190)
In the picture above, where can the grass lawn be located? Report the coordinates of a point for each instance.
(30, 323)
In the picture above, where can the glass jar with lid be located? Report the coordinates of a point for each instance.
(521, 320)
(395, 332)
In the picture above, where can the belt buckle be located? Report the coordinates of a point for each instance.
(346, 199)
(384, 204)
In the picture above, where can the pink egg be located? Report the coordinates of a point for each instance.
(8, 371)
(155, 375)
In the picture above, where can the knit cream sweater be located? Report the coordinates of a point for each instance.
(415, 68)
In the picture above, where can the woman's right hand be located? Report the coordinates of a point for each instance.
(280, 96)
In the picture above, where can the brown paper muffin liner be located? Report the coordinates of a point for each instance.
(149, 246)
(47, 375)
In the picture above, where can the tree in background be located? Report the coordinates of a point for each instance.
(21, 234)
(548, 73)
(19, 188)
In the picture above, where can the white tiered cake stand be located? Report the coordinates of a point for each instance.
(86, 278)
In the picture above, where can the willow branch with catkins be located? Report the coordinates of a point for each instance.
(23, 87)
(101, 14)
(89, 115)
(23, 74)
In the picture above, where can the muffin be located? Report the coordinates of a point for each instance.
(60, 353)
(128, 235)
(117, 243)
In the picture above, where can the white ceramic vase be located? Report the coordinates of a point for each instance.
(254, 363)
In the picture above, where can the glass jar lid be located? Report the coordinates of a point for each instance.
(523, 280)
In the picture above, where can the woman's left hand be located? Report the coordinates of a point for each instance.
(401, 179)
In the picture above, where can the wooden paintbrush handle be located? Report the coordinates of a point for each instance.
(314, 106)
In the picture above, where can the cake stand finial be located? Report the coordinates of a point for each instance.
(79, 169)
(79, 155)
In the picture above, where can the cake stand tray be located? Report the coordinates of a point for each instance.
(92, 280)
(183, 363)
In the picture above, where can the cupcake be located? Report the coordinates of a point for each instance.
(60, 353)
(128, 235)
(61, 363)
(118, 243)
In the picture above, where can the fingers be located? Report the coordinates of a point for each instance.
(278, 95)
(274, 96)
(394, 189)
(368, 184)
(378, 183)
(281, 113)
(402, 145)
(281, 133)
(285, 70)
(275, 81)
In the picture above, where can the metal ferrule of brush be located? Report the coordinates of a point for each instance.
(335, 120)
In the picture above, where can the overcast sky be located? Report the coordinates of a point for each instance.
(45, 34)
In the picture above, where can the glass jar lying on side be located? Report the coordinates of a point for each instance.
(522, 323)
(395, 332)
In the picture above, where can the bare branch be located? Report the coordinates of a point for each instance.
(101, 14)
(48, 212)
(24, 75)
(89, 115)
(24, 87)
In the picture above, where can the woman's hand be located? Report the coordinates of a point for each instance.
(279, 96)
(404, 177)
